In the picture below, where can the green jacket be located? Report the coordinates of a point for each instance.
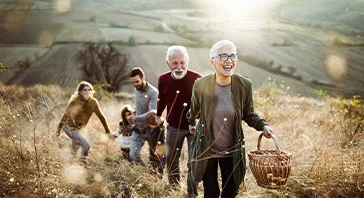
(202, 106)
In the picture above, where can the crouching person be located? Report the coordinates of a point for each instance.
(80, 107)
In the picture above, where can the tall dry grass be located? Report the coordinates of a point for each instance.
(324, 135)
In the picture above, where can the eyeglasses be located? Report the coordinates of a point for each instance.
(225, 57)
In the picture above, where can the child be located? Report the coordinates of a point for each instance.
(125, 130)
(152, 119)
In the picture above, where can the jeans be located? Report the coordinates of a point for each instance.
(174, 142)
(77, 141)
(125, 154)
(210, 183)
(152, 136)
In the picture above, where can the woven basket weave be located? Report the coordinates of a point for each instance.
(271, 168)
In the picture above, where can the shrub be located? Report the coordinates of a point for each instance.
(92, 18)
(160, 28)
(131, 41)
(104, 64)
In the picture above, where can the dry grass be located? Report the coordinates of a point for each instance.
(325, 137)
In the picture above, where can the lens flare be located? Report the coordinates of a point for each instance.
(336, 66)
(234, 9)
(75, 174)
(13, 20)
(62, 6)
(45, 39)
(98, 177)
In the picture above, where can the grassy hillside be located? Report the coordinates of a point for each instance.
(304, 44)
(343, 16)
(325, 137)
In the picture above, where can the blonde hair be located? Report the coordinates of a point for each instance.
(80, 86)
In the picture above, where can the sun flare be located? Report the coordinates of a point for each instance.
(62, 6)
(236, 8)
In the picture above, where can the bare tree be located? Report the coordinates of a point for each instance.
(104, 64)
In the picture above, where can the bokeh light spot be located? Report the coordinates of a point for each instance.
(336, 66)
(13, 21)
(62, 6)
(45, 39)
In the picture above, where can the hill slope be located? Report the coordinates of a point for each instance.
(319, 47)
(325, 137)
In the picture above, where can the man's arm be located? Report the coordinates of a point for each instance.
(161, 103)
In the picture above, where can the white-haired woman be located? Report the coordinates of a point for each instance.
(221, 100)
(80, 107)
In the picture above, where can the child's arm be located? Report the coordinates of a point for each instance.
(120, 130)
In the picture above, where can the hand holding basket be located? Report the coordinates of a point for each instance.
(271, 168)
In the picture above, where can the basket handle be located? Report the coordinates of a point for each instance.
(274, 139)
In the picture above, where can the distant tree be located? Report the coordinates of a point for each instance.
(102, 64)
(19, 68)
(160, 28)
(19, 64)
(131, 41)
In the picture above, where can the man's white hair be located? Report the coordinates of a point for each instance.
(218, 45)
(176, 48)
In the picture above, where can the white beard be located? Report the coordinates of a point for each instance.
(179, 76)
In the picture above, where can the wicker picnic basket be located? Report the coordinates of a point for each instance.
(271, 168)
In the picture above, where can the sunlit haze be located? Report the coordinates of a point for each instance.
(336, 66)
(300, 63)
(62, 6)
(236, 9)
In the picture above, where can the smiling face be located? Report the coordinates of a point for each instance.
(224, 69)
(138, 82)
(178, 63)
(86, 92)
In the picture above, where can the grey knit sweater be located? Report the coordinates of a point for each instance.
(145, 101)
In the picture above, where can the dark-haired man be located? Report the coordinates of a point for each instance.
(146, 96)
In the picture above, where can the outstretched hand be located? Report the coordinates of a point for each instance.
(58, 134)
(112, 136)
(267, 131)
(192, 129)
(160, 120)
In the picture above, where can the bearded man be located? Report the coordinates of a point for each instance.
(175, 90)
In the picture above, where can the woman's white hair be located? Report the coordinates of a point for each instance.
(176, 48)
(218, 45)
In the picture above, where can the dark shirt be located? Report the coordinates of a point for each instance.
(173, 94)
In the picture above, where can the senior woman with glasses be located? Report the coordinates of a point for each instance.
(221, 101)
